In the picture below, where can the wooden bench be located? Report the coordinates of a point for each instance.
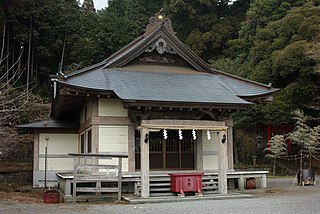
(96, 168)
(241, 177)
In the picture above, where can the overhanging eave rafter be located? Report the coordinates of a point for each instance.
(183, 105)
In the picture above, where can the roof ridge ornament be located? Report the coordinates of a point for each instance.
(158, 19)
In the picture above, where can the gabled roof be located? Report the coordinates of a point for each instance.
(157, 30)
(158, 67)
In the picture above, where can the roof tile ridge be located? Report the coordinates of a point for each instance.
(227, 87)
(135, 44)
(76, 72)
(123, 48)
(223, 73)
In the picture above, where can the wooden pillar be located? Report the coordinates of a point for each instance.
(199, 151)
(264, 181)
(241, 182)
(95, 128)
(229, 124)
(131, 149)
(36, 145)
(119, 178)
(222, 162)
(144, 145)
(95, 138)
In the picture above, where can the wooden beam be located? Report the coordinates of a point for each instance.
(184, 124)
(104, 120)
(85, 125)
(178, 105)
(144, 145)
(222, 162)
(111, 120)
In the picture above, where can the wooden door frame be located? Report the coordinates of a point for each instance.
(219, 126)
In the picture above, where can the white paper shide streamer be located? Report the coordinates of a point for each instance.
(208, 135)
(180, 134)
(194, 134)
(165, 134)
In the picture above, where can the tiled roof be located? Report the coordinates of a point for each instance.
(144, 70)
(168, 87)
(245, 88)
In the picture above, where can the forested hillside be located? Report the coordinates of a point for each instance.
(279, 44)
(271, 41)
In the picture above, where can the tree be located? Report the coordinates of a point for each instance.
(305, 136)
(258, 16)
(41, 27)
(88, 6)
(17, 103)
(206, 26)
(277, 147)
(278, 45)
(312, 51)
(123, 21)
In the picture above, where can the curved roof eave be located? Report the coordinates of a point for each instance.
(77, 87)
(242, 78)
(260, 94)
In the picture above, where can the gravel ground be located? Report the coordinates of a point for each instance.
(279, 197)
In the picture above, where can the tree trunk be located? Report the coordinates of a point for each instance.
(310, 161)
(274, 166)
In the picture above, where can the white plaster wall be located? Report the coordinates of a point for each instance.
(114, 139)
(210, 151)
(58, 145)
(112, 107)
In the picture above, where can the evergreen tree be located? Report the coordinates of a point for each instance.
(88, 6)
(276, 45)
(206, 26)
(305, 136)
(277, 147)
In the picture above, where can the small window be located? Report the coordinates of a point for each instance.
(85, 113)
(89, 141)
(82, 143)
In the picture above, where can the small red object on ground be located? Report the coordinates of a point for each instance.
(186, 182)
(250, 183)
(51, 196)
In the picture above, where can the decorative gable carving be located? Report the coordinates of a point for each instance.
(155, 58)
(158, 44)
(161, 46)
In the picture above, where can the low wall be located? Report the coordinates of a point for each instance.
(16, 176)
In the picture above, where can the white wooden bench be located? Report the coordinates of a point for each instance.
(97, 168)
(241, 176)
